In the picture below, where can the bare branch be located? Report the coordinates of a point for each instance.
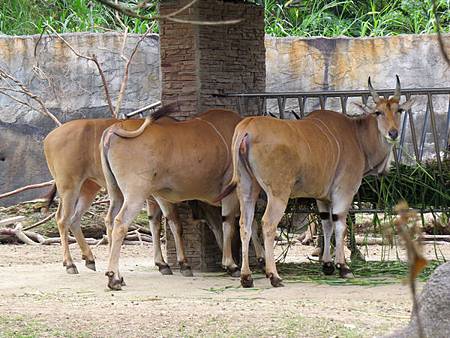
(28, 187)
(127, 67)
(170, 17)
(94, 59)
(30, 94)
(438, 29)
(119, 19)
(40, 222)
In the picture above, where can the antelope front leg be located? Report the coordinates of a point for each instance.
(341, 204)
(327, 225)
(154, 218)
(170, 212)
(227, 255)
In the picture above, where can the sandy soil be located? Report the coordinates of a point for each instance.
(38, 298)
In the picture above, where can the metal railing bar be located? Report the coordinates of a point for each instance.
(343, 100)
(322, 101)
(447, 129)
(281, 105)
(338, 93)
(435, 135)
(402, 137)
(424, 133)
(141, 110)
(413, 131)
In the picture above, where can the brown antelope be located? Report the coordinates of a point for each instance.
(73, 157)
(324, 156)
(173, 162)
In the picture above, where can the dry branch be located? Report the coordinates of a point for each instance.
(439, 34)
(94, 59)
(123, 85)
(28, 187)
(26, 91)
(444, 238)
(40, 222)
(171, 16)
(17, 232)
(12, 220)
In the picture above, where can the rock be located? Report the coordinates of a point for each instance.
(434, 307)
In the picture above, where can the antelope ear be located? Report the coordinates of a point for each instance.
(406, 105)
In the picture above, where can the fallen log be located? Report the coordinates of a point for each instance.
(12, 220)
(427, 238)
(363, 240)
(18, 233)
(139, 237)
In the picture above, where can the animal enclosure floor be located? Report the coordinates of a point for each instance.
(38, 298)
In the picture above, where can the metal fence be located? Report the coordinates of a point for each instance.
(425, 127)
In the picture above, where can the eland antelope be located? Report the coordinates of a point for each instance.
(73, 157)
(173, 162)
(324, 156)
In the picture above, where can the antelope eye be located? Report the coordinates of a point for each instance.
(378, 113)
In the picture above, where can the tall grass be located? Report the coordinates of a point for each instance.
(353, 17)
(21, 17)
(282, 17)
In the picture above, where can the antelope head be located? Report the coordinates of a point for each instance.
(388, 112)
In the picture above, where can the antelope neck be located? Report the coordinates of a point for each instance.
(375, 148)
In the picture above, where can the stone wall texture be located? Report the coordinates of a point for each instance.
(71, 89)
(315, 64)
(197, 63)
(208, 59)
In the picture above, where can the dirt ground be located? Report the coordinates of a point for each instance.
(38, 299)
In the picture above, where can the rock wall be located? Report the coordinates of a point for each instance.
(70, 87)
(308, 64)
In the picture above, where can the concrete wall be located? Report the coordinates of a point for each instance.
(71, 89)
(313, 64)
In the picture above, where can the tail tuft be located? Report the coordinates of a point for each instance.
(50, 197)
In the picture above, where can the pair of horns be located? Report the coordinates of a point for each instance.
(375, 95)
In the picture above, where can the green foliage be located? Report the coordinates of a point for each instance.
(353, 18)
(282, 17)
(422, 186)
(20, 17)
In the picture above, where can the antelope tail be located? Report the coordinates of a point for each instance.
(111, 181)
(50, 197)
(161, 112)
(239, 152)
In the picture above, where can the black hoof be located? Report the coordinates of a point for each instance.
(186, 270)
(234, 271)
(344, 271)
(90, 265)
(164, 269)
(113, 282)
(262, 264)
(247, 281)
(275, 281)
(328, 268)
(72, 269)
